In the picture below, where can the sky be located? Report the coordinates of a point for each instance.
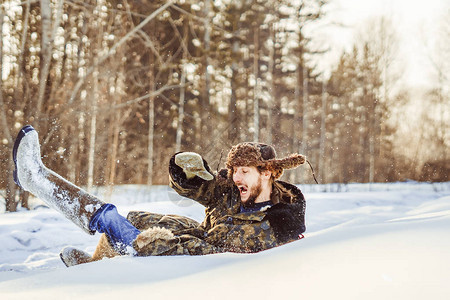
(414, 20)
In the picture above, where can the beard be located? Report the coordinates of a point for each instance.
(254, 193)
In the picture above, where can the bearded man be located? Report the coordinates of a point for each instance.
(247, 209)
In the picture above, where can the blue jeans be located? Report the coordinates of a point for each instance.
(120, 232)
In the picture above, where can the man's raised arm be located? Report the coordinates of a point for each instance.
(191, 177)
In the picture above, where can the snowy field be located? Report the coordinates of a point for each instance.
(379, 241)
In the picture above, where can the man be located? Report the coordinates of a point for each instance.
(247, 208)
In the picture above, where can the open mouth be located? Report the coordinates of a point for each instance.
(243, 190)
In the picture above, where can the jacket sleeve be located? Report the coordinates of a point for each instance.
(287, 221)
(195, 188)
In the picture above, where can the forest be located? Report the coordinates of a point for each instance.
(115, 88)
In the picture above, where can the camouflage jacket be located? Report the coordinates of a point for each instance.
(224, 227)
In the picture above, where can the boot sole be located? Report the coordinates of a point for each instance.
(22, 133)
(63, 260)
(78, 257)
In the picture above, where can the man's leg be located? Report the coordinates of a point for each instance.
(82, 208)
(31, 174)
(104, 249)
(72, 256)
(119, 231)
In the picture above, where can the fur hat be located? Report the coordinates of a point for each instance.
(261, 155)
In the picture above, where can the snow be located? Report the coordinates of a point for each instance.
(378, 241)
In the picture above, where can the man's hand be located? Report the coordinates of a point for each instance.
(192, 165)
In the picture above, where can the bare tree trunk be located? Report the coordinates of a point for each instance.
(151, 132)
(19, 77)
(179, 133)
(372, 141)
(114, 147)
(256, 87)
(180, 111)
(305, 96)
(10, 199)
(46, 54)
(205, 126)
(24, 196)
(74, 148)
(233, 114)
(271, 67)
(296, 122)
(323, 132)
(119, 117)
(4, 121)
(93, 131)
(372, 159)
(232, 108)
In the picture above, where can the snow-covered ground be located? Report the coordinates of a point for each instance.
(379, 241)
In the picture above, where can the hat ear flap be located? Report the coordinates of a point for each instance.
(276, 173)
(290, 162)
(276, 166)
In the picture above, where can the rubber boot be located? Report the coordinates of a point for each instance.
(73, 202)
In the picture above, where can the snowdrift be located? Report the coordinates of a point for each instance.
(388, 241)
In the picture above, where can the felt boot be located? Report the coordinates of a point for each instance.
(72, 256)
(30, 173)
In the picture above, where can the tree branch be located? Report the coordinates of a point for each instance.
(115, 46)
(139, 99)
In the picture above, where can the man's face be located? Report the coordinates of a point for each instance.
(248, 180)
